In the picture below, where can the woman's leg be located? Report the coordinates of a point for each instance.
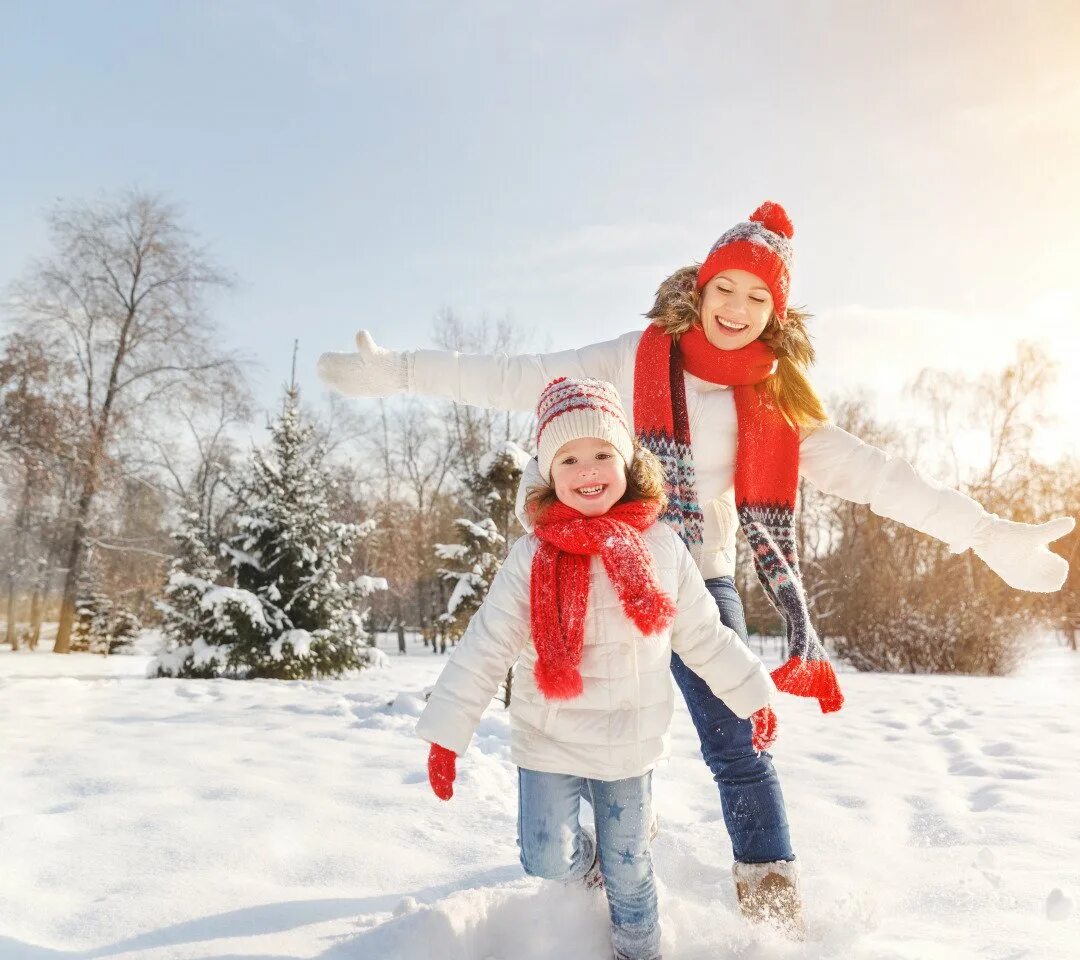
(750, 793)
(623, 811)
(551, 843)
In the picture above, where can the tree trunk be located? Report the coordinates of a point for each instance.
(509, 684)
(82, 516)
(36, 605)
(18, 549)
(401, 637)
(74, 568)
(12, 635)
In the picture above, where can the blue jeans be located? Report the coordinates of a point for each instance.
(750, 793)
(554, 846)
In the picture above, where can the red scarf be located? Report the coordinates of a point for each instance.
(560, 585)
(766, 480)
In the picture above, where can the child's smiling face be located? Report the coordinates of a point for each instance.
(589, 475)
(735, 306)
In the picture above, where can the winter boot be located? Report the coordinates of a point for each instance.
(769, 893)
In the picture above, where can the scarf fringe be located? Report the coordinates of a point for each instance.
(557, 681)
(810, 678)
(651, 614)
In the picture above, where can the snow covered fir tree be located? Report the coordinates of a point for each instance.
(100, 625)
(472, 563)
(196, 611)
(471, 566)
(282, 611)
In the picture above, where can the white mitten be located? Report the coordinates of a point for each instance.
(1017, 553)
(372, 371)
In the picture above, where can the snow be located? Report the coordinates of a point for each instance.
(299, 640)
(451, 551)
(369, 585)
(462, 589)
(934, 817)
(506, 448)
(218, 597)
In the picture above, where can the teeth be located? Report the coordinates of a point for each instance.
(589, 490)
(732, 326)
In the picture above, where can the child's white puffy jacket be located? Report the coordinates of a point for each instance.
(832, 460)
(618, 726)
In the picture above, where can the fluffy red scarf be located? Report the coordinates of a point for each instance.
(560, 585)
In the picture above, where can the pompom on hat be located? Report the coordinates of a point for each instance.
(570, 409)
(761, 246)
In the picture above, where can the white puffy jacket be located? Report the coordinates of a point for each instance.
(832, 460)
(618, 726)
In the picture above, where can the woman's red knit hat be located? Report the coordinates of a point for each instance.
(761, 246)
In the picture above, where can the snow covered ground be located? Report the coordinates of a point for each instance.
(934, 817)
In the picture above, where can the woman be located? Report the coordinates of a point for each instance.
(720, 394)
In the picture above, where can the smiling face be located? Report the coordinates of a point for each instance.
(735, 307)
(589, 475)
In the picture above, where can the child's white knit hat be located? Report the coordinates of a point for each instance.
(569, 409)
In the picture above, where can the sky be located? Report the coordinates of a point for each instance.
(370, 164)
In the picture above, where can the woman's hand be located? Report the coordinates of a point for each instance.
(1017, 553)
(372, 371)
(764, 722)
(441, 771)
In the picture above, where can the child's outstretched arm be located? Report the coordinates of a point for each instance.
(492, 642)
(836, 462)
(481, 380)
(714, 652)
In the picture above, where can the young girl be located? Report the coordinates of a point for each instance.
(590, 606)
(720, 393)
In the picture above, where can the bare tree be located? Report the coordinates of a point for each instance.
(1005, 409)
(123, 295)
(197, 465)
(477, 430)
(890, 598)
(38, 434)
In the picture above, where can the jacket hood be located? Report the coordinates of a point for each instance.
(530, 477)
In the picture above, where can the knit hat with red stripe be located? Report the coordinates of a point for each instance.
(761, 246)
(570, 409)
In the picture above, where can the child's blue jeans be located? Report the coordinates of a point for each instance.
(554, 846)
(750, 793)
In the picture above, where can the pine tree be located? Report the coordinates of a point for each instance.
(99, 625)
(473, 563)
(124, 627)
(92, 611)
(199, 617)
(287, 615)
(288, 554)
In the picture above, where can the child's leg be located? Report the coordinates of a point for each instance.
(623, 814)
(750, 793)
(552, 845)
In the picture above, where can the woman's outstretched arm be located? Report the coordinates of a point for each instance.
(841, 464)
(499, 380)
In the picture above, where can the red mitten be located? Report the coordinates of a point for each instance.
(441, 770)
(764, 722)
